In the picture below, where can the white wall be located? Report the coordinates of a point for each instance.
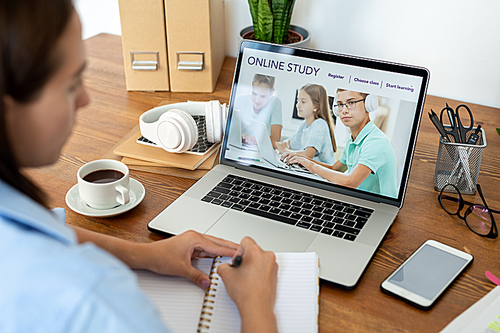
(458, 41)
(98, 16)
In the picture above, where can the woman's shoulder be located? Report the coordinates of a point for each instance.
(45, 260)
(52, 280)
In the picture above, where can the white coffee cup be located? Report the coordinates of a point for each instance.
(104, 184)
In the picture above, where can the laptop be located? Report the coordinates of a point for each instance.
(266, 150)
(288, 211)
(234, 136)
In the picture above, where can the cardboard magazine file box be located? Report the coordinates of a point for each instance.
(195, 44)
(144, 45)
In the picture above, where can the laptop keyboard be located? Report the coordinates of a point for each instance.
(303, 210)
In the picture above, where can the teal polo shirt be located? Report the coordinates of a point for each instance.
(373, 149)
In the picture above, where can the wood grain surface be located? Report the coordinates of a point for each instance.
(113, 112)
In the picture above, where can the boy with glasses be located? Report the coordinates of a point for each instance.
(368, 154)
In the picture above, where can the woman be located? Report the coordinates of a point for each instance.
(315, 138)
(58, 279)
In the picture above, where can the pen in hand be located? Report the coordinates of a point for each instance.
(238, 258)
(237, 261)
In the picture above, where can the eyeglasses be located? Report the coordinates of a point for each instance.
(350, 105)
(478, 218)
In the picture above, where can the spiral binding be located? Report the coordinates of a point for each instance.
(208, 301)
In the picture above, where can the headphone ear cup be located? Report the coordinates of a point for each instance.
(214, 118)
(371, 103)
(217, 115)
(335, 111)
(224, 112)
(209, 123)
(177, 131)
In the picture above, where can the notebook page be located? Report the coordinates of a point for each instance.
(178, 300)
(297, 294)
(297, 306)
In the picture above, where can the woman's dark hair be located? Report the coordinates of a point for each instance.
(29, 31)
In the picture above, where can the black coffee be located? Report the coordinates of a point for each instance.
(103, 176)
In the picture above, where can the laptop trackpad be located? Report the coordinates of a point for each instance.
(269, 234)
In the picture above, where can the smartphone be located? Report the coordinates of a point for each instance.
(426, 274)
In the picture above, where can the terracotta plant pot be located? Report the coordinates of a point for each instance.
(304, 41)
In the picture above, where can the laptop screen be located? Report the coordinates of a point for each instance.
(332, 121)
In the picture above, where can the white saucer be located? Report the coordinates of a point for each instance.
(79, 206)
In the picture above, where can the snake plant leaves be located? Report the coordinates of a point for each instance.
(264, 30)
(253, 5)
(288, 15)
(271, 19)
(282, 12)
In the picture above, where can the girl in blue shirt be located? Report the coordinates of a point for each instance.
(60, 278)
(315, 138)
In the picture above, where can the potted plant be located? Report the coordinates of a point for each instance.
(271, 23)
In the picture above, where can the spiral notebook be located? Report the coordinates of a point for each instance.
(184, 307)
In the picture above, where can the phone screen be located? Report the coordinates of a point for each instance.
(427, 272)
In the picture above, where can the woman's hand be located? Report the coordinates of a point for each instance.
(173, 256)
(252, 286)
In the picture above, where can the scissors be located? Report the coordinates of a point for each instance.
(456, 128)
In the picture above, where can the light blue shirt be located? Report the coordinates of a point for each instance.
(50, 283)
(270, 114)
(317, 136)
(373, 149)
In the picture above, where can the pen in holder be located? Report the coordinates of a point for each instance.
(459, 163)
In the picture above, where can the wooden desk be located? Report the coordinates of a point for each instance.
(114, 111)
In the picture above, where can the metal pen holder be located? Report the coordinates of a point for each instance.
(459, 163)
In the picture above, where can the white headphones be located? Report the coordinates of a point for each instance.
(371, 104)
(173, 128)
